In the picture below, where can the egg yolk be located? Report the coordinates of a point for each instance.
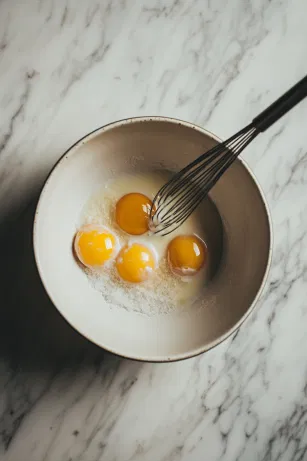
(186, 254)
(135, 262)
(132, 213)
(94, 245)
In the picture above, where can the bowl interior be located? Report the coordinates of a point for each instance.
(135, 145)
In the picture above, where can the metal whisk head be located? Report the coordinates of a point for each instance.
(180, 196)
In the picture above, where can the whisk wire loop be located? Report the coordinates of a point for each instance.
(178, 198)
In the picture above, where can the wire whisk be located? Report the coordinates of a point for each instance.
(180, 196)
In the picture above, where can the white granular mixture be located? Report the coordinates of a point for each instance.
(164, 291)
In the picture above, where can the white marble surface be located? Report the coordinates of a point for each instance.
(67, 67)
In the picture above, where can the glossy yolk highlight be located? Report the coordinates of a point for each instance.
(94, 245)
(132, 213)
(135, 263)
(186, 254)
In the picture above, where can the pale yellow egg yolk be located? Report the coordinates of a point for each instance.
(135, 263)
(132, 213)
(94, 245)
(186, 254)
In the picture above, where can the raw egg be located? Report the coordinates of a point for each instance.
(186, 254)
(95, 245)
(132, 213)
(135, 262)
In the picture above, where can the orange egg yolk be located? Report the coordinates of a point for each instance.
(135, 263)
(94, 245)
(186, 254)
(132, 213)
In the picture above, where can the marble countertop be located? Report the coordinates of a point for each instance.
(68, 67)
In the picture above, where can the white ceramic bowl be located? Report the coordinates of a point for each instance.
(231, 295)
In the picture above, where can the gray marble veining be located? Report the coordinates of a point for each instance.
(67, 67)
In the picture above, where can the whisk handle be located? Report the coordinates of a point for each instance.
(280, 107)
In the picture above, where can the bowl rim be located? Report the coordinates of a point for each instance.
(69, 152)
